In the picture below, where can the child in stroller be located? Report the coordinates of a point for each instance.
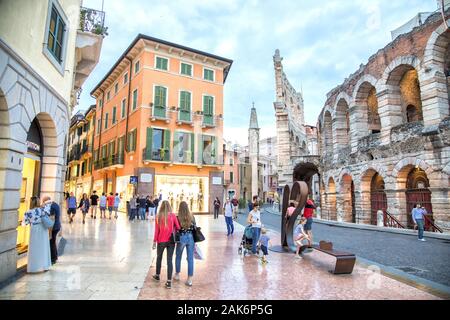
(245, 247)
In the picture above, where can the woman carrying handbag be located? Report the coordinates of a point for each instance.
(187, 224)
(37, 217)
(166, 226)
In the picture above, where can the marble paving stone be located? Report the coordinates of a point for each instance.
(224, 274)
(113, 260)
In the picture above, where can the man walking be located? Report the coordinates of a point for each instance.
(216, 208)
(142, 207)
(417, 214)
(228, 213)
(71, 206)
(116, 205)
(94, 204)
(55, 211)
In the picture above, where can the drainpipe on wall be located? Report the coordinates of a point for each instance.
(100, 133)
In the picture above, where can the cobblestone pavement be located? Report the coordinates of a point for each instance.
(429, 260)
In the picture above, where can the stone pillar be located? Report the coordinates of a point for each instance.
(283, 145)
(214, 190)
(396, 205)
(390, 111)
(358, 124)
(440, 189)
(433, 91)
(364, 207)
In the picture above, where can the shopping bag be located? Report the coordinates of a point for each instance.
(198, 254)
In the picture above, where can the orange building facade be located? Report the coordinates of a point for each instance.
(160, 121)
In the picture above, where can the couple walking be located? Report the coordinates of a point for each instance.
(167, 225)
(42, 252)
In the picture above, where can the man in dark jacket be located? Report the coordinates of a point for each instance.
(55, 211)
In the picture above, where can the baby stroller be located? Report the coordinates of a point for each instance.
(245, 247)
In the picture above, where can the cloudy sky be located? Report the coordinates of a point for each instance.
(321, 41)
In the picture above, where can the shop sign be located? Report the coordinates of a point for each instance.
(217, 180)
(146, 177)
(133, 179)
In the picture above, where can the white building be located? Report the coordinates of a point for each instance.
(46, 53)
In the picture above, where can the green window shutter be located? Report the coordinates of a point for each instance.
(167, 145)
(114, 115)
(183, 100)
(135, 99)
(192, 147)
(160, 102)
(165, 62)
(106, 120)
(149, 144)
(134, 139)
(128, 142)
(123, 108)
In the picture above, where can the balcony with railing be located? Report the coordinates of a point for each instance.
(88, 45)
(184, 116)
(113, 161)
(86, 149)
(160, 154)
(159, 113)
(208, 120)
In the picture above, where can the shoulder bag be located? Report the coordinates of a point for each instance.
(197, 234)
(175, 236)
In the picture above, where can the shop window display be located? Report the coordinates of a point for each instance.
(193, 190)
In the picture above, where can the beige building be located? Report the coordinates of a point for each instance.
(47, 49)
(79, 153)
(383, 134)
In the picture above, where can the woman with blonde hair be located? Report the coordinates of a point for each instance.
(187, 224)
(166, 224)
(39, 258)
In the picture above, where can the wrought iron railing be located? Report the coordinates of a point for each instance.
(115, 159)
(93, 21)
(390, 221)
(430, 225)
(156, 154)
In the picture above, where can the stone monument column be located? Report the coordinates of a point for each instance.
(253, 149)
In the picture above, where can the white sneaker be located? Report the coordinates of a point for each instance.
(298, 256)
(176, 277)
(422, 239)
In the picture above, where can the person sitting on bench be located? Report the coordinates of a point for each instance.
(300, 235)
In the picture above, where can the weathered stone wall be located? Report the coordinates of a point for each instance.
(412, 70)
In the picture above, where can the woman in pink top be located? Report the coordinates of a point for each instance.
(165, 224)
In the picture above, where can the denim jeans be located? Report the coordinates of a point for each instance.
(186, 241)
(132, 214)
(230, 225)
(160, 250)
(216, 213)
(256, 233)
(142, 212)
(420, 227)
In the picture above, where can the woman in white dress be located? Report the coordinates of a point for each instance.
(39, 258)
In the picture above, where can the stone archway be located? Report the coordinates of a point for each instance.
(346, 201)
(409, 192)
(398, 88)
(437, 61)
(373, 196)
(24, 97)
(341, 125)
